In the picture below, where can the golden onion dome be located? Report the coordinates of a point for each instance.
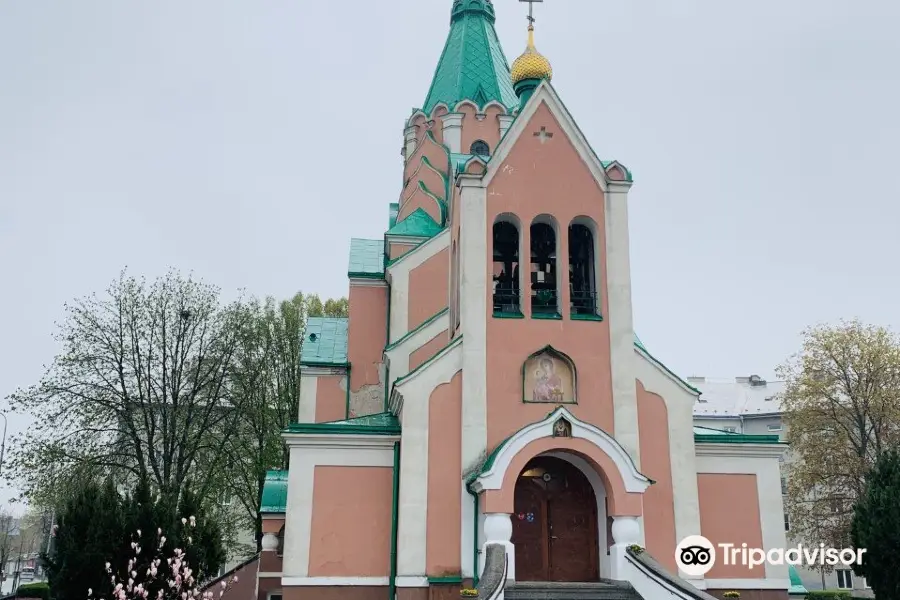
(532, 64)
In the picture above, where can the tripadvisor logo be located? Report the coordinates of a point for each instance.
(696, 555)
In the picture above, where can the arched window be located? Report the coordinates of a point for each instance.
(544, 289)
(582, 276)
(480, 148)
(506, 268)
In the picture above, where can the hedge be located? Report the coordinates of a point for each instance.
(34, 590)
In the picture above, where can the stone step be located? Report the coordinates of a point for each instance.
(594, 590)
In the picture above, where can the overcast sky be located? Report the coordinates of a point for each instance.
(217, 137)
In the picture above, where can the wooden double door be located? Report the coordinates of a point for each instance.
(555, 523)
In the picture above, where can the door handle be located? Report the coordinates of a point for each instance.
(553, 537)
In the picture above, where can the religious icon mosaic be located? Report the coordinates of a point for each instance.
(549, 379)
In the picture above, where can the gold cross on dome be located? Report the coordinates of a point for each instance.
(543, 134)
(531, 9)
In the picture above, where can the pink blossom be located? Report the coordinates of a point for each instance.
(139, 532)
(234, 579)
(183, 521)
(221, 593)
(224, 584)
(90, 591)
(134, 573)
(193, 522)
(159, 531)
(108, 566)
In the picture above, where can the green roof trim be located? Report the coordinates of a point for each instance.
(638, 344)
(378, 424)
(797, 587)
(606, 164)
(393, 210)
(274, 494)
(442, 206)
(418, 224)
(366, 259)
(472, 65)
(425, 364)
(707, 435)
(325, 342)
(425, 324)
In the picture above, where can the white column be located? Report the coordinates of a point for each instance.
(453, 131)
(620, 319)
(506, 122)
(413, 500)
(626, 531)
(409, 136)
(498, 530)
(473, 275)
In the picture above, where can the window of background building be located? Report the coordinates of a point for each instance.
(845, 579)
(730, 429)
(787, 522)
(776, 427)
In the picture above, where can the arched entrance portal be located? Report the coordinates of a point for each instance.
(555, 523)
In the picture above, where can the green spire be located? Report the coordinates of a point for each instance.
(472, 66)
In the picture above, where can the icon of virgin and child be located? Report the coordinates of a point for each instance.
(548, 384)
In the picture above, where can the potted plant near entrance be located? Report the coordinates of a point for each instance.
(732, 594)
(468, 593)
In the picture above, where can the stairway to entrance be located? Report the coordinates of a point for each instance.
(602, 590)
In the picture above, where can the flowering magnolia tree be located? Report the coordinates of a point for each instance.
(152, 575)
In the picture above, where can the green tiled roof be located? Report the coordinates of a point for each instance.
(380, 424)
(392, 218)
(797, 587)
(418, 224)
(274, 495)
(366, 258)
(325, 341)
(472, 66)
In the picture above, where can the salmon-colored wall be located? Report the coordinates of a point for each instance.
(486, 129)
(367, 333)
(432, 149)
(351, 532)
(431, 177)
(419, 199)
(331, 400)
(729, 514)
(428, 349)
(444, 475)
(536, 178)
(659, 500)
(398, 250)
(428, 293)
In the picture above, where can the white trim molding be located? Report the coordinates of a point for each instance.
(545, 94)
(268, 574)
(492, 479)
(412, 582)
(414, 420)
(367, 282)
(748, 584)
(397, 275)
(335, 581)
(760, 460)
(398, 356)
(679, 402)
(309, 451)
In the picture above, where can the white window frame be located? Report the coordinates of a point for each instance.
(844, 574)
(773, 428)
(729, 429)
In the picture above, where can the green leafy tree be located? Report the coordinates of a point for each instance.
(841, 407)
(875, 524)
(267, 378)
(139, 392)
(90, 531)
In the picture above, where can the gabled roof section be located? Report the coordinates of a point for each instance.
(325, 342)
(274, 495)
(472, 65)
(546, 94)
(366, 259)
(380, 424)
(418, 224)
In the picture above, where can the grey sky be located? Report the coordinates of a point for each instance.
(248, 141)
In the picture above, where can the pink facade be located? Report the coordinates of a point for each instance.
(490, 417)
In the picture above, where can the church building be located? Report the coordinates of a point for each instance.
(486, 417)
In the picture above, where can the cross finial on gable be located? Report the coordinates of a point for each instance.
(543, 134)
